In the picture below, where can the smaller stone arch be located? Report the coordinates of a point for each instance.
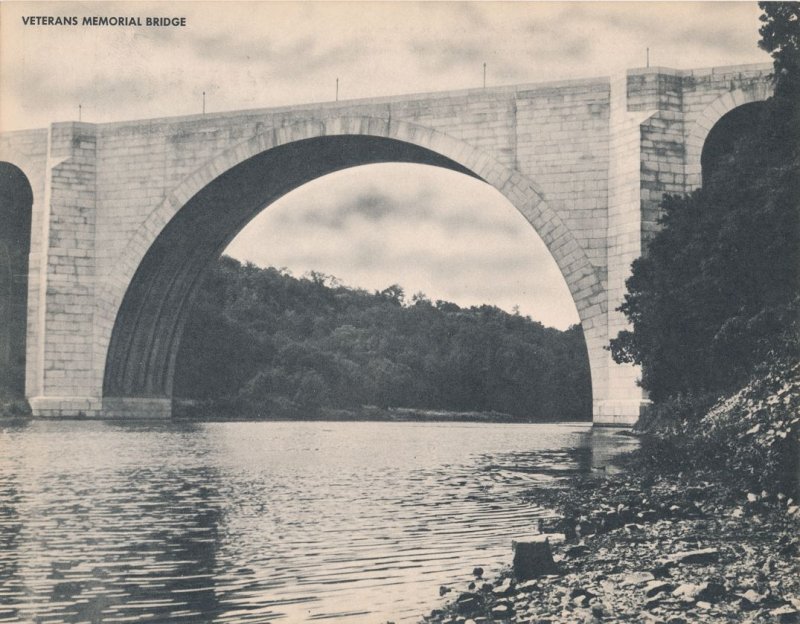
(696, 138)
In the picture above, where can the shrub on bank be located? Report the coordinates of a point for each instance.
(755, 433)
(751, 437)
(668, 416)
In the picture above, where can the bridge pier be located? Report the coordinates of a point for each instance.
(125, 215)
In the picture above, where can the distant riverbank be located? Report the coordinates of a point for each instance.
(650, 545)
(186, 409)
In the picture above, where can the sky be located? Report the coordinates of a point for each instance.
(428, 230)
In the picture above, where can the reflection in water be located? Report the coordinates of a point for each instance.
(237, 522)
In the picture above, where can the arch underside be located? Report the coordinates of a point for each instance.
(16, 202)
(147, 331)
(722, 137)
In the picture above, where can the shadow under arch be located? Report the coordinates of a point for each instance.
(16, 204)
(197, 221)
(721, 139)
(705, 122)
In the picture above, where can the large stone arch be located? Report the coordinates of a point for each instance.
(159, 268)
(716, 110)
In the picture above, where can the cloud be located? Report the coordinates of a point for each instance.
(442, 233)
(258, 54)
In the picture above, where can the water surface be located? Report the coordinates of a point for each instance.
(263, 522)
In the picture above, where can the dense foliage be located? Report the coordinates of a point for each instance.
(271, 344)
(717, 292)
(751, 437)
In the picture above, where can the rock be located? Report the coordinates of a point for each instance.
(579, 591)
(444, 589)
(527, 586)
(786, 613)
(653, 588)
(502, 610)
(711, 592)
(573, 552)
(477, 572)
(702, 604)
(581, 601)
(704, 555)
(661, 571)
(686, 592)
(753, 597)
(637, 578)
(706, 592)
(504, 588)
(533, 558)
(468, 603)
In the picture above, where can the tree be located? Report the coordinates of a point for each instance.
(780, 36)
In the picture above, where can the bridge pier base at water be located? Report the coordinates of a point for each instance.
(122, 408)
(606, 413)
(617, 413)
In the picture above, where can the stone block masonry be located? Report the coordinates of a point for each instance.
(127, 214)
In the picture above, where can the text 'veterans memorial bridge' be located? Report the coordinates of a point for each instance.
(125, 216)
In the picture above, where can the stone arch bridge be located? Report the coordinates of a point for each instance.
(126, 215)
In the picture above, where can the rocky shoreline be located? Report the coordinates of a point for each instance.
(648, 547)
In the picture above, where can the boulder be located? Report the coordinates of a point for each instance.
(637, 578)
(704, 555)
(654, 588)
(785, 613)
(502, 610)
(578, 550)
(753, 597)
(527, 586)
(468, 603)
(705, 592)
(533, 558)
(504, 588)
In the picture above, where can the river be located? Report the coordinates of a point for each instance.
(262, 522)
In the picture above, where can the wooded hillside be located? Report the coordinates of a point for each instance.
(267, 343)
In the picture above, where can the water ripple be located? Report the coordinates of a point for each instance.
(261, 522)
